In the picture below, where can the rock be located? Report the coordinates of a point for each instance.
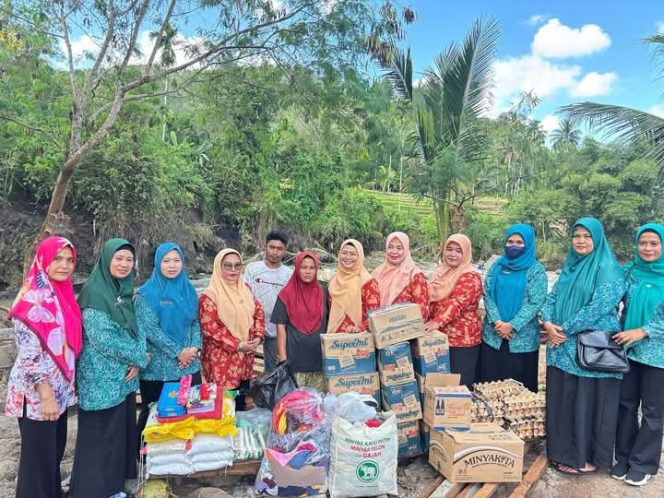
(208, 493)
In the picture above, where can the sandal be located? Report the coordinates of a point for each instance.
(581, 471)
(565, 469)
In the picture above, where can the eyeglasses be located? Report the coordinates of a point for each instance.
(230, 266)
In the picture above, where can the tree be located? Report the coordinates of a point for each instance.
(456, 92)
(565, 134)
(120, 70)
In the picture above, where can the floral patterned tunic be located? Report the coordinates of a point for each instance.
(457, 314)
(370, 301)
(222, 363)
(417, 291)
(34, 366)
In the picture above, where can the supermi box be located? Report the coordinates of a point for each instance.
(409, 438)
(431, 353)
(396, 323)
(347, 354)
(403, 400)
(359, 383)
(485, 453)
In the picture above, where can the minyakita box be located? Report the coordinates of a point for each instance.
(447, 405)
(397, 323)
(485, 453)
(347, 354)
(359, 383)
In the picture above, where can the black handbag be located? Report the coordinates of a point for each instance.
(270, 388)
(597, 351)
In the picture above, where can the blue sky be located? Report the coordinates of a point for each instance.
(566, 51)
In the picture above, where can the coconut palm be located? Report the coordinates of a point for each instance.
(628, 125)
(566, 133)
(456, 90)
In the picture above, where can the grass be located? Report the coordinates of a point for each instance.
(411, 204)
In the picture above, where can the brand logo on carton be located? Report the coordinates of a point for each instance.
(354, 382)
(397, 376)
(486, 455)
(367, 471)
(349, 344)
(397, 318)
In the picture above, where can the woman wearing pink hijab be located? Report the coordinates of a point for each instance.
(399, 280)
(455, 290)
(47, 324)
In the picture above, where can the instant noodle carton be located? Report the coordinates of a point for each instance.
(447, 405)
(359, 383)
(403, 399)
(425, 434)
(431, 353)
(485, 453)
(347, 354)
(409, 438)
(396, 323)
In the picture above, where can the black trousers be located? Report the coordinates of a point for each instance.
(42, 447)
(150, 392)
(465, 361)
(105, 450)
(270, 354)
(581, 418)
(500, 364)
(641, 446)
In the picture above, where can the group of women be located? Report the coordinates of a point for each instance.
(113, 341)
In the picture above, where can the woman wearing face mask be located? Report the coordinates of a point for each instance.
(353, 291)
(167, 313)
(47, 327)
(233, 326)
(639, 446)
(514, 292)
(300, 315)
(107, 378)
(581, 405)
(399, 280)
(455, 290)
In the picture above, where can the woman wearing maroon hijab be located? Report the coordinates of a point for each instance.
(300, 315)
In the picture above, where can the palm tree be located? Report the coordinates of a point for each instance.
(628, 125)
(455, 93)
(565, 134)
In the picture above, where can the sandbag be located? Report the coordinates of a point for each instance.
(363, 460)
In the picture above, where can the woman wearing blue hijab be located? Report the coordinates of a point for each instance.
(582, 405)
(639, 446)
(514, 292)
(167, 312)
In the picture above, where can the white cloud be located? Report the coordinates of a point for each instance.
(549, 123)
(555, 40)
(593, 85)
(536, 20)
(660, 26)
(657, 110)
(81, 48)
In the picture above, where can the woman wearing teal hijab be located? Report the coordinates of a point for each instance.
(167, 313)
(514, 292)
(638, 448)
(107, 376)
(582, 405)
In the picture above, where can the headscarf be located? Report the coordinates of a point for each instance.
(444, 277)
(345, 289)
(49, 309)
(173, 300)
(649, 278)
(235, 302)
(106, 293)
(509, 275)
(303, 301)
(394, 279)
(581, 275)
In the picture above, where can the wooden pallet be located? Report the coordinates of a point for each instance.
(446, 489)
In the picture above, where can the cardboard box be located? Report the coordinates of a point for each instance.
(431, 353)
(403, 400)
(447, 405)
(425, 434)
(409, 439)
(359, 383)
(485, 453)
(397, 323)
(394, 357)
(348, 354)
(420, 385)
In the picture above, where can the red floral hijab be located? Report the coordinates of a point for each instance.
(303, 301)
(49, 308)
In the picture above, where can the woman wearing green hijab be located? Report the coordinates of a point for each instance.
(638, 449)
(582, 405)
(113, 351)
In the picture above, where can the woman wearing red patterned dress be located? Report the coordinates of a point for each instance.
(399, 280)
(455, 290)
(353, 291)
(233, 326)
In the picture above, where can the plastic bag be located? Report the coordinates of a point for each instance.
(253, 428)
(270, 388)
(363, 460)
(355, 407)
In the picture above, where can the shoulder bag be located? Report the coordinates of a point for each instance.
(597, 351)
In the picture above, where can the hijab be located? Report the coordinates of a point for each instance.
(345, 289)
(392, 279)
(173, 300)
(444, 277)
(509, 275)
(581, 275)
(104, 292)
(49, 308)
(303, 300)
(235, 302)
(649, 277)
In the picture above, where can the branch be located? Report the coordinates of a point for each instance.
(160, 36)
(70, 56)
(51, 137)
